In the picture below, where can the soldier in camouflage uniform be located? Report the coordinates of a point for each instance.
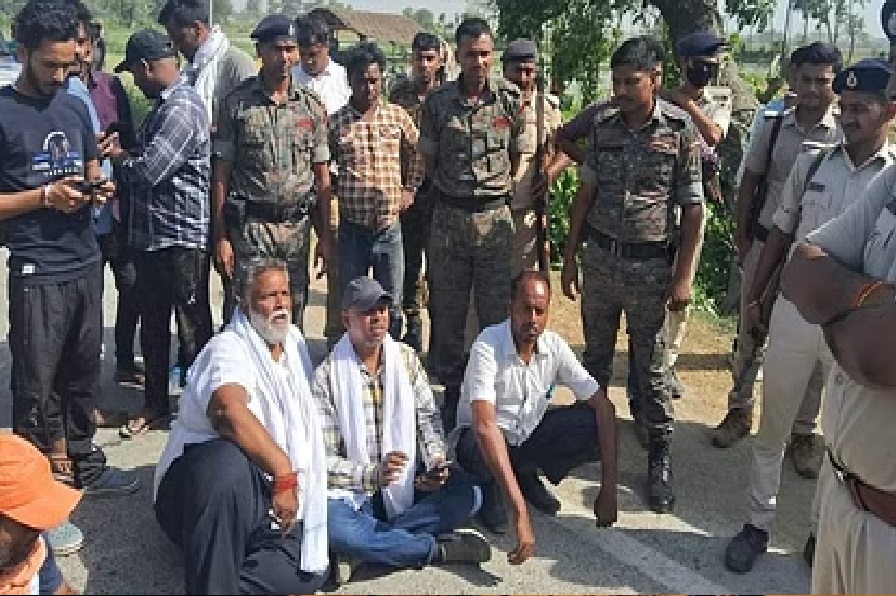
(270, 151)
(409, 93)
(471, 134)
(644, 161)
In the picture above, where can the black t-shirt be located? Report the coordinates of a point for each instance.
(42, 141)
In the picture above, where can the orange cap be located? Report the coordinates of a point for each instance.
(28, 492)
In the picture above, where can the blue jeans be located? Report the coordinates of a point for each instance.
(361, 248)
(408, 539)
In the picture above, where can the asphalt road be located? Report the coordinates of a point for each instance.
(126, 553)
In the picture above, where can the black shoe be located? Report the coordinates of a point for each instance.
(809, 550)
(493, 514)
(467, 546)
(745, 548)
(130, 373)
(536, 493)
(413, 335)
(660, 496)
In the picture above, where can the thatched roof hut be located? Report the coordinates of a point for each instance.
(369, 26)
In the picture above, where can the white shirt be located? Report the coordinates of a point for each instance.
(331, 85)
(519, 391)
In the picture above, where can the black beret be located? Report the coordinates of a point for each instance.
(701, 43)
(275, 27)
(520, 50)
(870, 75)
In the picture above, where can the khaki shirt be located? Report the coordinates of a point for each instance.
(788, 145)
(473, 142)
(271, 147)
(553, 119)
(858, 422)
(640, 175)
(836, 184)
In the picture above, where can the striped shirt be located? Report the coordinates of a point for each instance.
(370, 172)
(170, 175)
(352, 475)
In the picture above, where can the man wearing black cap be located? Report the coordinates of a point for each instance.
(393, 494)
(427, 73)
(520, 61)
(771, 156)
(270, 178)
(170, 215)
(822, 184)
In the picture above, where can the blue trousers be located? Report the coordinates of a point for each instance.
(408, 539)
(361, 248)
(213, 503)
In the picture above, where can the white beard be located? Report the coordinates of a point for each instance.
(272, 333)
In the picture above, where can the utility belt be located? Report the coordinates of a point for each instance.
(879, 503)
(761, 233)
(631, 250)
(239, 209)
(472, 204)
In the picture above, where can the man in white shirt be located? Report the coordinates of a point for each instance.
(506, 432)
(320, 73)
(241, 485)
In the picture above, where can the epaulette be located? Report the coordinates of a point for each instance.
(604, 110)
(500, 84)
(670, 109)
(815, 147)
(772, 114)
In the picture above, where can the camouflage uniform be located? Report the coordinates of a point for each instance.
(471, 224)
(640, 177)
(415, 221)
(271, 149)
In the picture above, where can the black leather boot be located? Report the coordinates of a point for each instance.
(660, 496)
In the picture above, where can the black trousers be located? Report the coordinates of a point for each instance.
(415, 227)
(176, 279)
(127, 311)
(565, 439)
(55, 337)
(213, 503)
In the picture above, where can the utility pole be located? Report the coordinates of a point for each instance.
(211, 19)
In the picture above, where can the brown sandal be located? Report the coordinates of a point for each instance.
(141, 425)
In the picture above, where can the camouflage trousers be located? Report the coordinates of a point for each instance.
(290, 242)
(470, 250)
(612, 285)
(415, 226)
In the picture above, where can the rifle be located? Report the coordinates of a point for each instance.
(542, 220)
(761, 193)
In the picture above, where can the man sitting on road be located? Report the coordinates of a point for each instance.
(245, 446)
(387, 504)
(505, 431)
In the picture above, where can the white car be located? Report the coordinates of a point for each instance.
(9, 70)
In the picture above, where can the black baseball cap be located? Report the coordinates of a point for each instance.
(363, 293)
(148, 45)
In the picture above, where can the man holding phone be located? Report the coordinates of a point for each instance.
(387, 504)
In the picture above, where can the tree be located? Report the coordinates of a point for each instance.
(426, 19)
(222, 10)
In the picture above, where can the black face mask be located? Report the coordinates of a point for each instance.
(700, 73)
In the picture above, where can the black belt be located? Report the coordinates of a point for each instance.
(761, 233)
(473, 204)
(630, 250)
(275, 213)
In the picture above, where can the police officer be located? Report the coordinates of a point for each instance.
(471, 131)
(426, 74)
(822, 184)
(842, 278)
(644, 161)
(270, 152)
(520, 61)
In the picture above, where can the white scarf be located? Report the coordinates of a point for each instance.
(399, 416)
(202, 72)
(293, 423)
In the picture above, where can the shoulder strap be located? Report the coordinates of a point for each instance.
(773, 138)
(813, 167)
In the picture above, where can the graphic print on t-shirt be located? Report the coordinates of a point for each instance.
(56, 158)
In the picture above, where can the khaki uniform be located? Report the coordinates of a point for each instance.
(524, 253)
(640, 177)
(796, 349)
(787, 147)
(415, 220)
(271, 148)
(473, 145)
(855, 550)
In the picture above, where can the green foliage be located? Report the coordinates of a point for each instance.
(563, 194)
(714, 267)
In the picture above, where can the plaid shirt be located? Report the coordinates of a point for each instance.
(169, 176)
(371, 169)
(353, 475)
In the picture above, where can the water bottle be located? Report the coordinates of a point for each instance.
(174, 380)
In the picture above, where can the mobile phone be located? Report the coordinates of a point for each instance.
(89, 186)
(114, 127)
